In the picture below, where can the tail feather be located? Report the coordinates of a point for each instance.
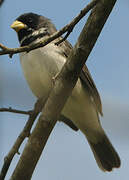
(105, 154)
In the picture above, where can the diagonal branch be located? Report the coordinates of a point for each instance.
(25, 133)
(68, 28)
(64, 84)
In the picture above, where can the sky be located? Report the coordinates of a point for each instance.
(67, 154)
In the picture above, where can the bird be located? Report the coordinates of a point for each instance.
(83, 108)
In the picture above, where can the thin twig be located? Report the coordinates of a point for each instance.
(64, 38)
(15, 111)
(67, 28)
(25, 133)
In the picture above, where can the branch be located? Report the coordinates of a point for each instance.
(15, 111)
(25, 133)
(68, 28)
(64, 84)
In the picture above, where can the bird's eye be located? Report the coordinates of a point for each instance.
(30, 20)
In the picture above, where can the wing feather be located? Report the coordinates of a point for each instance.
(85, 77)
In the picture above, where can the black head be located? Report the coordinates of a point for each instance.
(30, 23)
(33, 21)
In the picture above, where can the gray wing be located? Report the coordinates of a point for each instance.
(85, 77)
(89, 84)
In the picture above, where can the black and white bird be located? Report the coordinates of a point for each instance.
(84, 105)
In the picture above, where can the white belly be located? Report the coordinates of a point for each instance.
(39, 66)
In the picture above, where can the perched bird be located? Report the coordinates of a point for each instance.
(83, 107)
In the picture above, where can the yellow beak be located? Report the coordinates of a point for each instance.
(17, 26)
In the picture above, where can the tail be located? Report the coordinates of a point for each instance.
(105, 154)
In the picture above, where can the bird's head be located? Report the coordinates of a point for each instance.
(30, 26)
